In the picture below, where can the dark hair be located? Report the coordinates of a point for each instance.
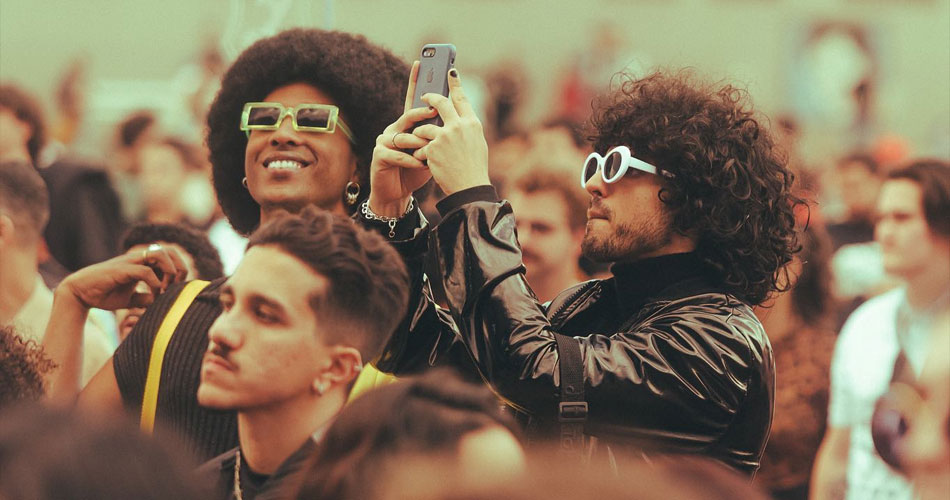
(428, 414)
(207, 261)
(27, 109)
(538, 178)
(24, 195)
(23, 364)
(812, 297)
(133, 126)
(368, 289)
(868, 161)
(365, 80)
(48, 454)
(731, 189)
(933, 178)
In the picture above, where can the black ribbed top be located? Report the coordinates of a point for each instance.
(207, 433)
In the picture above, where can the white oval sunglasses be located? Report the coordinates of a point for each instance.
(615, 165)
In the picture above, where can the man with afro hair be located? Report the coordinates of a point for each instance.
(691, 203)
(262, 169)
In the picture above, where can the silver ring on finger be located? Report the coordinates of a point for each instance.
(394, 140)
(154, 247)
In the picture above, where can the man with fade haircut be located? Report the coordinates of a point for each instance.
(293, 125)
(284, 353)
(691, 202)
(891, 329)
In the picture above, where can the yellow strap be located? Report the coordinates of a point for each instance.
(369, 379)
(162, 338)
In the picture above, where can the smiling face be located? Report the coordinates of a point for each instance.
(626, 220)
(290, 169)
(266, 348)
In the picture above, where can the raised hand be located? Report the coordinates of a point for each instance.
(395, 174)
(457, 153)
(114, 284)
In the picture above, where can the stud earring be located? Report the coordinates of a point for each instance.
(352, 192)
(244, 182)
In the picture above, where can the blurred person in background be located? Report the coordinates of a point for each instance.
(132, 134)
(284, 354)
(856, 264)
(258, 173)
(166, 167)
(438, 416)
(858, 181)
(200, 258)
(800, 329)
(666, 356)
(914, 233)
(23, 366)
(552, 216)
(911, 422)
(85, 219)
(51, 454)
(25, 302)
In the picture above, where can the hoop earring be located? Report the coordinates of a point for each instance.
(244, 182)
(352, 192)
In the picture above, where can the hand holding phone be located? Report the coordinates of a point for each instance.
(436, 59)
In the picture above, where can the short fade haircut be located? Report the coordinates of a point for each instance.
(933, 178)
(539, 179)
(207, 261)
(732, 188)
(24, 196)
(366, 81)
(27, 109)
(368, 289)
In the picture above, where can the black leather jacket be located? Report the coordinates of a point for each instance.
(670, 363)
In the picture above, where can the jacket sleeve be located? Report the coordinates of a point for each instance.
(685, 373)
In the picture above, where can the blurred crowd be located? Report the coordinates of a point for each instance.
(96, 257)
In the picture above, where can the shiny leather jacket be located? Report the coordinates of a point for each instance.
(687, 369)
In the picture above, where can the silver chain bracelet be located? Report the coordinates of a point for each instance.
(390, 221)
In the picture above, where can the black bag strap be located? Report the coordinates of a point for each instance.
(572, 410)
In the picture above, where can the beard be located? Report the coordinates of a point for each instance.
(628, 241)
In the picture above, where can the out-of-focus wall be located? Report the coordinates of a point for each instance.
(748, 41)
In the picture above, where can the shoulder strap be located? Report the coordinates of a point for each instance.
(159, 345)
(572, 410)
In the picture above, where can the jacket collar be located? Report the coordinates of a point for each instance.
(664, 277)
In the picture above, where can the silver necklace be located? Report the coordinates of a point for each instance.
(237, 477)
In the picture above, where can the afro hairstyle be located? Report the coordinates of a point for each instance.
(367, 82)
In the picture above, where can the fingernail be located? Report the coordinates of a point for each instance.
(454, 73)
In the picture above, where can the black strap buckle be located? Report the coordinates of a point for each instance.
(572, 411)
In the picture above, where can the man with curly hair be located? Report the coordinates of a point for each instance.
(293, 125)
(691, 202)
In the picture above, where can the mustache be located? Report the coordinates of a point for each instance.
(597, 204)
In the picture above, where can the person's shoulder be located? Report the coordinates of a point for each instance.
(875, 313)
(215, 474)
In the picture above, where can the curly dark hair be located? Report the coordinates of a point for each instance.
(732, 188)
(428, 414)
(23, 364)
(27, 109)
(207, 261)
(365, 80)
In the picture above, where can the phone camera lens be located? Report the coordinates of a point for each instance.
(428, 52)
